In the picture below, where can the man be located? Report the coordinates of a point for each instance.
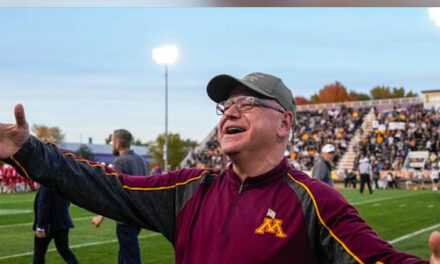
(52, 221)
(132, 164)
(365, 172)
(323, 168)
(260, 210)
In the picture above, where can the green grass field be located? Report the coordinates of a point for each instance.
(392, 214)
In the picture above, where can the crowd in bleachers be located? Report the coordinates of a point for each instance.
(398, 131)
(312, 131)
(210, 156)
(12, 182)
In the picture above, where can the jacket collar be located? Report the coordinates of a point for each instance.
(128, 152)
(263, 179)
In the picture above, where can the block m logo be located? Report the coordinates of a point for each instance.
(271, 226)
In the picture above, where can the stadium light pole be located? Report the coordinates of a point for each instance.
(165, 55)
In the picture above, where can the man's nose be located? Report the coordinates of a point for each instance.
(232, 111)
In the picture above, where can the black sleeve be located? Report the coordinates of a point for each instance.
(150, 202)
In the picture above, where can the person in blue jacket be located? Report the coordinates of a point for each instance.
(52, 221)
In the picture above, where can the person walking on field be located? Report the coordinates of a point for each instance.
(258, 210)
(52, 221)
(127, 163)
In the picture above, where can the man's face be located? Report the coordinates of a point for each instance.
(328, 156)
(115, 150)
(251, 131)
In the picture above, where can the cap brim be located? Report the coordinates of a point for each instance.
(220, 87)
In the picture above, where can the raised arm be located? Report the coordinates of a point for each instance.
(151, 202)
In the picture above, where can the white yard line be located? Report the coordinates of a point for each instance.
(19, 201)
(413, 234)
(30, 253)
(390, 198)
(31, 223)
(14, 211)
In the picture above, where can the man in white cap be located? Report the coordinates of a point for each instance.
(365, 172)
(323, 168)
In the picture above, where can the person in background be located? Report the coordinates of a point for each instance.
(352, 179)
(323, 168)
(365, 172)
(376, 178)
(52, 221)
(434, 177)
(127, 163)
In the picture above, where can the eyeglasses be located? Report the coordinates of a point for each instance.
(244, 103)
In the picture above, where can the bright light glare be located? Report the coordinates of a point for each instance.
(434, 14)
(165, 55)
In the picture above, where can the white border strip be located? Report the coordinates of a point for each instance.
(413, 234)
(30, 253)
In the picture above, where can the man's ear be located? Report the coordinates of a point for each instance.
(286, 124)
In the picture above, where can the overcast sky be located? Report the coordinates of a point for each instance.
(90, 70)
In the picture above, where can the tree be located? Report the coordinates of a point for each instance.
(381, 92)
(301, 100)
(335, 92)
(46, 133)
(398, 92)
(177, 149)
(363, 97)
(84, 152)
(411, 94)
(108, 139)
(314, 98)
(353, 96)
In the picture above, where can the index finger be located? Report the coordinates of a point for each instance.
(20, 117)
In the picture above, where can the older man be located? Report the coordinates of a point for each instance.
(259, 210)
(323, 165)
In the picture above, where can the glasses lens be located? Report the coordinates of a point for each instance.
(245, 103)
(220, 108)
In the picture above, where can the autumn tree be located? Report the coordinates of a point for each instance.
(177, 149)
(335, 92)
(301, 100)
(46, 133)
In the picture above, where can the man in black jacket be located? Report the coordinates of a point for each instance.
(52, 220)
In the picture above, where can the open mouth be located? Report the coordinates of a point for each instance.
(234, 130)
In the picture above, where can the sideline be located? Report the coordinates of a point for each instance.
(30, 253)
(391, 198)
(413, 234)
(31, 223)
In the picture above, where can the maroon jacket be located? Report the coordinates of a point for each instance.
(283, 216)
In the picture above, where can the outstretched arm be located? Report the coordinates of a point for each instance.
(151, 202)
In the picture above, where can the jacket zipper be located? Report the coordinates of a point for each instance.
(231, 212)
